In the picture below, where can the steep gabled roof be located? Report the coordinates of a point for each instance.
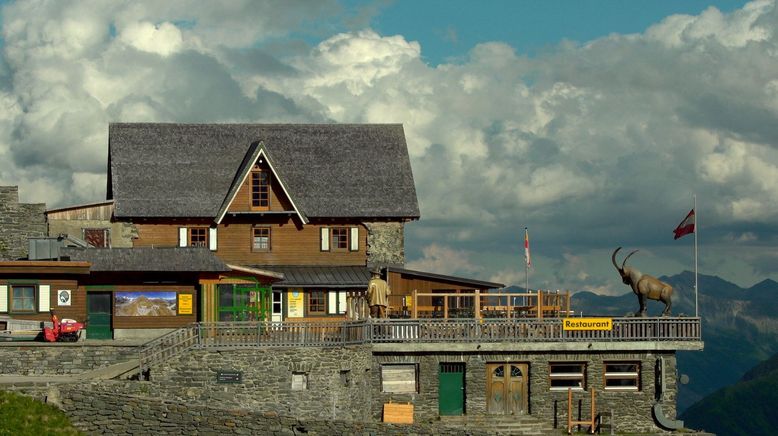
(329, 170)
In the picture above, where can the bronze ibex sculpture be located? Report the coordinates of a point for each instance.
(644, 285)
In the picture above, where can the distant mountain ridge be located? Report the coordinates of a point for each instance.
(745, 408)
(739, 327)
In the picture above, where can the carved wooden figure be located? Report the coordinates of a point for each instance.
(644, 285)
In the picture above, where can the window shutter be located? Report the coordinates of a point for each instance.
(44, 298)
(325, 239)
(182, 233)
(3, 298)
(342, 302)
(354, 239)
(332, 302)
(212, 239)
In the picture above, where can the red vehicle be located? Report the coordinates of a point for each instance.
(69, 330)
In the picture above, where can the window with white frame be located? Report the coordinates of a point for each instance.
(299, 381)
(622, 376)
(399, 378)
(567, 375)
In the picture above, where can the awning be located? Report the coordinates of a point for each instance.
(320, 276)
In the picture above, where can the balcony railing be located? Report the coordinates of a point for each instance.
(252, 334)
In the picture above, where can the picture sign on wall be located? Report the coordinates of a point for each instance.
(145, 303)
(185, 304)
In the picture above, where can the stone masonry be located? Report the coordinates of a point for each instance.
(385, 243)
(18, 222)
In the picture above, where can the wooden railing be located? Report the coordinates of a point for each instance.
(232, 335)
(477, 304)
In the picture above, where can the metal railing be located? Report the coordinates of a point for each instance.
(252, 334)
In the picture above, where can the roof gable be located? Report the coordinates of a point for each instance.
(256, 151)
(329, 170)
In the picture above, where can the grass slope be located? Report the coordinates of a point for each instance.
(20, 415)
(745, 408)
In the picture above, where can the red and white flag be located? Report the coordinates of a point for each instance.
(526, 247)
(686, 226)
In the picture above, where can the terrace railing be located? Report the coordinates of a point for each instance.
(236, 335)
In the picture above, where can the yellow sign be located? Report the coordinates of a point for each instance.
(587, 324)
(296, 301)
(185, 304)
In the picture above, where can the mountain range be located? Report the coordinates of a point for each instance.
(739, 327)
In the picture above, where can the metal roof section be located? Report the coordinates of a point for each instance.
(186, 259)
(321, 276)
(256, 271)
(470, 283)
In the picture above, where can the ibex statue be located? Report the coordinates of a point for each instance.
(644, 285)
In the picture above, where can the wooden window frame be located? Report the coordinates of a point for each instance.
(254, 236)
(11, 299)
(346, 242)
(634, 376)
(565, 376)
(415, 373)
(255, 187)
(106, 235)
(310, 305)
(189, 236)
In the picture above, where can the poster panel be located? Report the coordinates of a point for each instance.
(185, 304)
(296, 300)
(145, 303)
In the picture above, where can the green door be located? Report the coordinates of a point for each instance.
(98, 315)
(243, 302)
(451, 389)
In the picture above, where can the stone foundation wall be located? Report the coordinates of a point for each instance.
(337, 381)
(18, 222)
(60, 359)
(385, 243)
(632, 409)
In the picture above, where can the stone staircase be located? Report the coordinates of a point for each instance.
(525, 425)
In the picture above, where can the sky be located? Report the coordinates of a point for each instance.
(591, 123)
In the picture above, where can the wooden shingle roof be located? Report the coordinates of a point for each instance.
(187, 259)
(329, 170)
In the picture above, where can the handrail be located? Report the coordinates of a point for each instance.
(265, 334)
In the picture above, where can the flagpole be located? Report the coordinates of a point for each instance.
(526, 262)
(696, 232)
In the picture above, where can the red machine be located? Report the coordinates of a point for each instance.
(66, 331)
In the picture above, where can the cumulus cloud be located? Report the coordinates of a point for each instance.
(591, 145)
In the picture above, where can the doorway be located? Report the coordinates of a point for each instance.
(507, 388)
(276, 315)
(451, 390)
(98, 315)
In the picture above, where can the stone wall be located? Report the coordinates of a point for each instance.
(99, 409)
(385, 243)
(337, 381)
(18, 222)
(60, 358)
(632, 410)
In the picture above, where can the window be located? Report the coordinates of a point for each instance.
(198, 237)
(260, 189)
(564, 375)
(622, 376)
(399, 378)
(23, 298)
(299, 381)
(260, 239)
(316, 302)
(340, 238)
(98, 238)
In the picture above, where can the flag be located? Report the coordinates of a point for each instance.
(686, 226)
(526, 247)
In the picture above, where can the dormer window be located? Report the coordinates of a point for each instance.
(198, 237)
(260, 188)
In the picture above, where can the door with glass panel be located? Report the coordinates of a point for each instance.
(507, 388)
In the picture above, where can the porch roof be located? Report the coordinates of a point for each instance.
(320, 276)
(185, 259)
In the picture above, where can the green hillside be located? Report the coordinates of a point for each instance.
(745, 408)
(23, 416)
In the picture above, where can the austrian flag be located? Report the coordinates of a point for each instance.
(526, 247)
(686, 226)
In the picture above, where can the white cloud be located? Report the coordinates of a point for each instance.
(443, 260)
(163, 39)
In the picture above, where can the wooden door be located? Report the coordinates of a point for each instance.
(98, 315)
(451, 389)
(506, 388)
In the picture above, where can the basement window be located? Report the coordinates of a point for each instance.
(622, 376)
(399, 378)
(299, 381)
(567, 375)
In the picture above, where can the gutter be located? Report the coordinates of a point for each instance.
(663, 421)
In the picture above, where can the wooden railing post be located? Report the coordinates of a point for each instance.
(477, 304)
(415, 305)
(445, 307)
(540, 303)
